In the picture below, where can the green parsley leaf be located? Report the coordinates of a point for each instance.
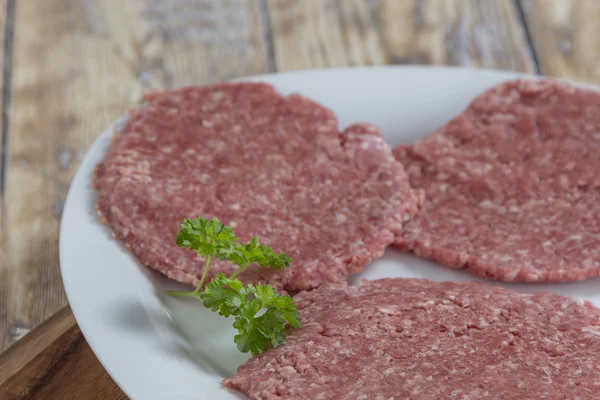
(261, 321)
(258, 333)
(249, 339)
(210, 238)
(261, 315)
(288, 309)
(272, 325)
(254, 252)
(207, 237)
(224, 295)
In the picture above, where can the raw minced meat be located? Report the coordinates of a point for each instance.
(399, 339)
(270, 166)
(511, 185)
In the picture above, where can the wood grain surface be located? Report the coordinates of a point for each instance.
(566, 36)
(95, 61)
(455, 32)
(72, 66)
(55, 362)
(4, 272)
(319, 34)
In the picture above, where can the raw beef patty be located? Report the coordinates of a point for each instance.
(420, 340)
(270, 166)
(512, 185)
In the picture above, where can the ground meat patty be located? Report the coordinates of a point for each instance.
(270, 166)
(512, 185)
(400, 339)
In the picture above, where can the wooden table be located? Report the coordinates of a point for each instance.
(71, 67)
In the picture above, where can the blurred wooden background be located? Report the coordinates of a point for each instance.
(72, 66)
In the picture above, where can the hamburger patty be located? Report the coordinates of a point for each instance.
(270, 166)
(420, 340)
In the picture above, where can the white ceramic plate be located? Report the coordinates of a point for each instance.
(160, 348)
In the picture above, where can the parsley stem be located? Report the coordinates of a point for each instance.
(239, 271)
(181, 294)
(204, 275)
(195, 293)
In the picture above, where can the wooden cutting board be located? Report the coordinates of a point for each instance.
(55, 362)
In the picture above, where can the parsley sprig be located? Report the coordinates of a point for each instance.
(261, 315)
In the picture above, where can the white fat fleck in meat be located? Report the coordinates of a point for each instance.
(322, 159)
(564, 181)
(340, 218)
(215, 95)
(499, 117)
(487, 204)
(592, 330)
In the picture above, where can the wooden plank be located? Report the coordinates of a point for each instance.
(5, 24)
(18, 356)
(316, 34)
(77, 66)
(566, 37)
(473, 33)
(59, 365)
(320, 34)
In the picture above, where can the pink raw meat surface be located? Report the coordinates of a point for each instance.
(270, 166)
(421, 340)
(511, 185)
